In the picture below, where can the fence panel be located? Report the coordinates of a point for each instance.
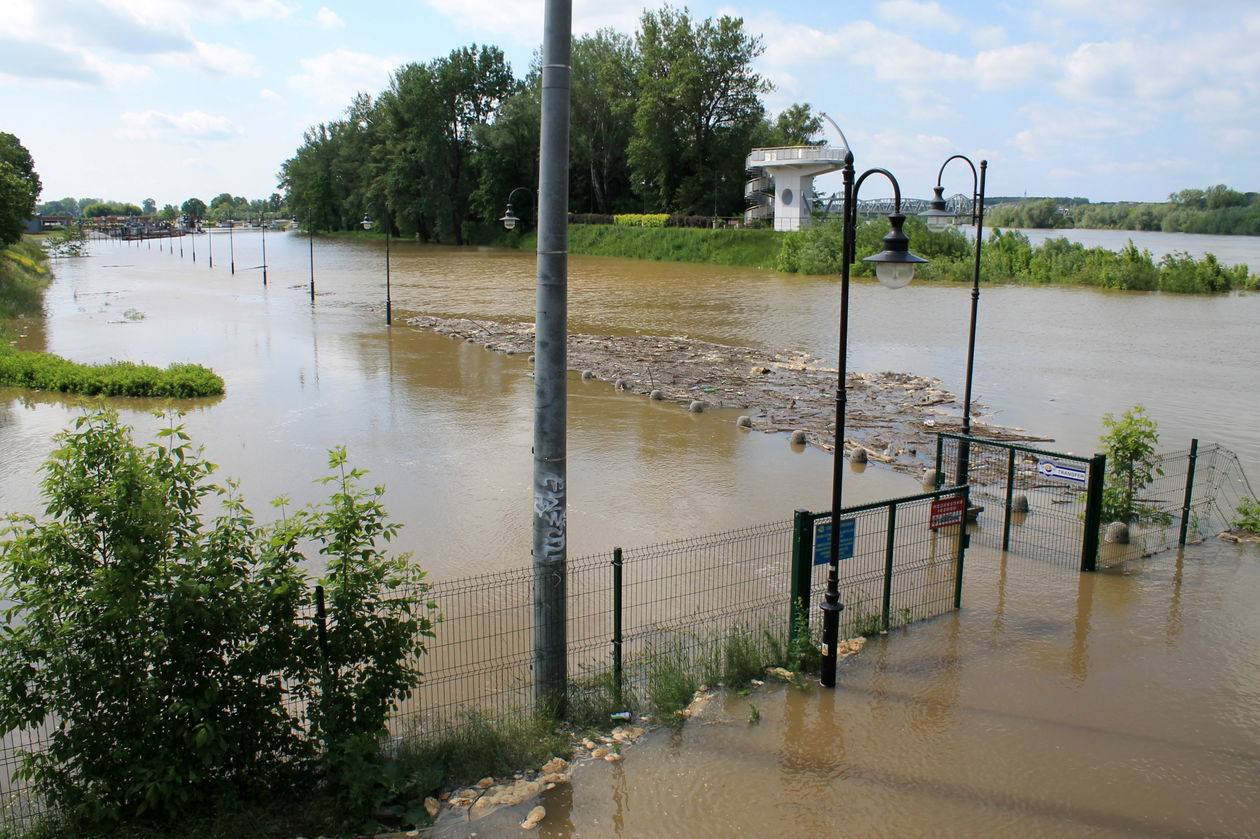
(1035, 502)
(901, 568)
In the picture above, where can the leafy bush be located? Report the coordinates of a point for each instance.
(1132, 465)
(1248, 515)
(164, 651)
(641, 219)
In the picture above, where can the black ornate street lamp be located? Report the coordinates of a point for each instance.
(510, 218)
(894, 267)
(937, 219)
(389, 305)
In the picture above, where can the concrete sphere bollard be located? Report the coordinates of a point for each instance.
(798, 438)
(658, 395)
(531, 359)
(696, 407)
(469, 340)
(588, 374)
(1019, 504)
(622, 384)
(510, 351)
(858, 455)
(744, 421)
(928, 481)
(1117, 533)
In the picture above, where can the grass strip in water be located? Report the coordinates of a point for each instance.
(43, 371)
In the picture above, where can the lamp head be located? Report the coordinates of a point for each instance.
(367, 222)
(894, 265)
(509, 218)
(937, 218)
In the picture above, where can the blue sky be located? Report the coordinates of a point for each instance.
(1116, 100)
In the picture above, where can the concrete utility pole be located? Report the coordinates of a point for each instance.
(550, 366)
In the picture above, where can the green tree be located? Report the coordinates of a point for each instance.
(194, 209)
(698, 109)
(796, 125)
(603, 105)
(149, 206)
(164, 649)
(1132, 465)
(19, 188)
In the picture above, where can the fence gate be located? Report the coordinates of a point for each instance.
(1036, 503)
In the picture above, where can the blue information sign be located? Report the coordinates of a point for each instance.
(822, 541)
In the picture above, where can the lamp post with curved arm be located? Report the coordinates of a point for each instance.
(389, 304)
(510, 218)
(894, 267)
(937, 219)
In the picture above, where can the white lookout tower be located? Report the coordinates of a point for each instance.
(781, 181)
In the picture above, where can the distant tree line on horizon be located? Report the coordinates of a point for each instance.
(659, 121)
(222, 207)
(1217, 209)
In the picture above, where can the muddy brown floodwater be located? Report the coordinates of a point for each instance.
(1119, 704)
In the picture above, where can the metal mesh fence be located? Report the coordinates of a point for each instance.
(901, 570)
(1034, 501)
(1216, 485)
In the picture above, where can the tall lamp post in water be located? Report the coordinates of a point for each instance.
(389, 305)
(231, 249)
(938, 218)
(894, 267)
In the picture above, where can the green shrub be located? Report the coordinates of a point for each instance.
(163, 649)
(1248, 515)
(641, 219)
(1132, 465)
(43, 371)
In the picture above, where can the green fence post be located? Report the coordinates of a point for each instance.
(1185, 504)
(964, 540)
(938, 475)
(616, 639)
(1010, 498)
(802, 566)
(1093, 512)
(889, 544)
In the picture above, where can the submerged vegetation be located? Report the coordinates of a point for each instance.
(1008, 257)
(42, 371)
(24, 275)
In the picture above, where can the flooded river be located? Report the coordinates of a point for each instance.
(1117, 704)
(447, 426)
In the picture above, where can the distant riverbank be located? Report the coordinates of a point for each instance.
(1177, 263)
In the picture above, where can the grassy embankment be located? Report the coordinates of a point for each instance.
(24, 275)
(1007, 257)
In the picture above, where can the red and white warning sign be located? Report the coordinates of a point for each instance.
(947, 511)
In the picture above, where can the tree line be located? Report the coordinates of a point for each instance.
(1217, 209)
(660, 122)
(222, 207)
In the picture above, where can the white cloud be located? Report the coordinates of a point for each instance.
(190, 125)
(1014, 66)
(524, 18)
(328, 19)
(928, 14)
(271, 96)
(335, 77)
